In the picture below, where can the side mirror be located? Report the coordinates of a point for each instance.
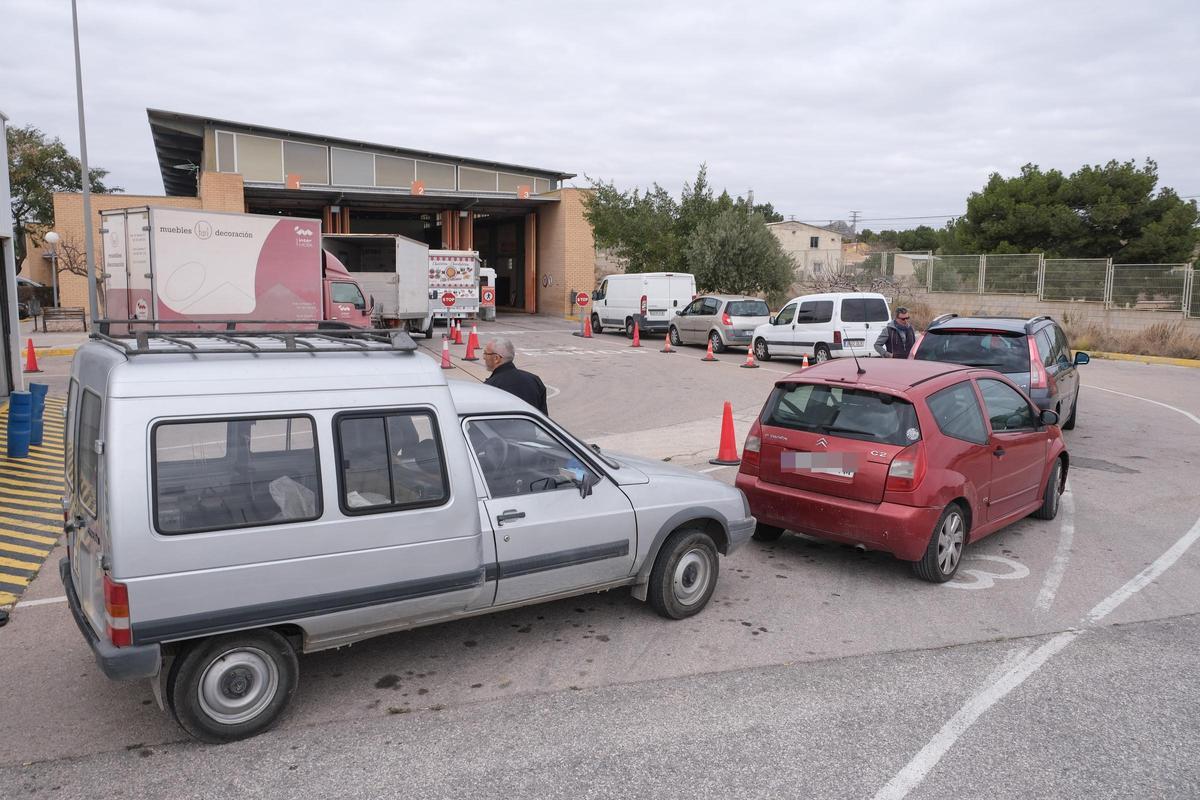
(1049, 417)
(1082, 358)
(585, 485)
(771, 320)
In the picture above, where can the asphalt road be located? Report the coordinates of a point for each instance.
(817, 671)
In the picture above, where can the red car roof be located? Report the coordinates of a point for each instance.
(895, 374)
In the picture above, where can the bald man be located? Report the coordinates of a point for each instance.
(498, 355)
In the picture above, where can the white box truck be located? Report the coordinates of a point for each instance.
(453, 277)
(392, 269)
(184, 266)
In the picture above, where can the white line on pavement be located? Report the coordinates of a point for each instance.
(1058, 567)
(1187, 414)
(1160, 565)
(916, 770)
(42, 602)
(719, 466)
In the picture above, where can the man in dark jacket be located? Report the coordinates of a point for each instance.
(897, 339)
(498, 357)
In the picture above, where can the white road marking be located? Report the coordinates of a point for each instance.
(983, 579)
(42, 602)
(1058, 567)
(719, 466)
(551, 391)
(916, 770)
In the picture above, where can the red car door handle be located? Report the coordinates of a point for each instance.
(998, 452)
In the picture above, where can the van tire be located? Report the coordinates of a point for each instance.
(684, 575)
(596, 326)
(822, 353)
(629, 328)
(226, 668)
(761, 351)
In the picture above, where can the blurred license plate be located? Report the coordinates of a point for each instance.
(856, 342)
(841, 465)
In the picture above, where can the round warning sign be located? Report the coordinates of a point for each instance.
(487, 296)
(448, 299)
(582, 299)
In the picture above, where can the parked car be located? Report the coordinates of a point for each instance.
(1033, 353)
(724, 320)
(650, 299)
(914, 458)
(263, 511)
(824, 326)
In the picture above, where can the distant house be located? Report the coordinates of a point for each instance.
(814, 250)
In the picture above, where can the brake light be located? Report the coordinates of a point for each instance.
(725, 320)
(751, 449)
(1037, 370)
(116, 613)
(837, 337)
(642, 306)
(907, 469)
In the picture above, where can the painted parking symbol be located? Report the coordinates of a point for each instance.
(985, 579)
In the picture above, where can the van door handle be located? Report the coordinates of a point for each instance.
(509, 516)
(998, 452)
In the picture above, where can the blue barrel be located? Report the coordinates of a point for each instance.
(38, 392)
(20, 408)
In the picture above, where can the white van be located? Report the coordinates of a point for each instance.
(824, 326)
(649, 298)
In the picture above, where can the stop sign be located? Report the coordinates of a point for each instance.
(582, 299)
(448, 299)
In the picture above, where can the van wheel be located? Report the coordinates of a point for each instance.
(596, 326)
(684, 574)
(717, 345)
(233, 687)
(760, 350)
(822, 353)
(629, 328)
(676, 339)
(1050, 496)
(944, 553)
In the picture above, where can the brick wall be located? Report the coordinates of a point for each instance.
(566, 252)
(218, 192)
(1076, 313)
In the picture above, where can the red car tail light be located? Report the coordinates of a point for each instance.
(907, 469)
(725, 320)
(116, 613)
(1037, 370)
(751, 449)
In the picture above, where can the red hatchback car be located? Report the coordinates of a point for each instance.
(915, 458)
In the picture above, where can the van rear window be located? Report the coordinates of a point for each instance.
(87, 461)
(864, 309)
(235, 473)
(838, 411)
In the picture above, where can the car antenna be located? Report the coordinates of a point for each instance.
(857, 365)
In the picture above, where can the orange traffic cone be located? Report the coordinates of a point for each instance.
(637, 335)
(709, 355)
(804, 364)
(750, 358)
(472, 345)
(31, 364)
(446, 353)
(458, 332)
(727, 455)
(587, 327)
(667, 347)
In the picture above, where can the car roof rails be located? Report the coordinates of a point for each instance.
(942, 318)
(1029, 323)
(134, 342)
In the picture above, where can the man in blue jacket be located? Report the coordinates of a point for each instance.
(897, 339)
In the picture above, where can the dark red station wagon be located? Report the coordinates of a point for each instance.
(915, 458)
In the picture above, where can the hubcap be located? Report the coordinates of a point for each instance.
(692, 575)
(822, 355)
(674, 336)
(238, 685)
(716, 341)
(950, 543)
(760, 349)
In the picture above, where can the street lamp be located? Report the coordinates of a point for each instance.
(52, 240)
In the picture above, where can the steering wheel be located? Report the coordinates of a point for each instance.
(494, 453)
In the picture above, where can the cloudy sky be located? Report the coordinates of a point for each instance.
(894, 109)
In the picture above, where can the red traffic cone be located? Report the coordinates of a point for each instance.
(727, 455)
(458, 332)
(637, 335)
(587, 327)
(472, 343)
(667, 346)
(446, 353)
(709, 355)
(31, 364)
(804, 364)
(750, 358)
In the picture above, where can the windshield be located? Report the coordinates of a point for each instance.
(1001, 351)
(748, 308)
(851, 413)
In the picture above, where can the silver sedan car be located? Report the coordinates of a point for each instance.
(723, 319)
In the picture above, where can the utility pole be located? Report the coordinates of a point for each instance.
(750, 198)
(854, 224)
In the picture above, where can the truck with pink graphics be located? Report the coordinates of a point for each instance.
(184, 266)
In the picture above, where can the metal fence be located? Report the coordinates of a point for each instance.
(1134, 287)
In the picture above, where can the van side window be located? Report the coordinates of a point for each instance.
(390, 461)
(785, 316)
(519, 456)
(864, 309)
(87, 463)
(815, 311)
(234, 473)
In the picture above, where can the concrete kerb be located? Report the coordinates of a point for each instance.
(1174, 362)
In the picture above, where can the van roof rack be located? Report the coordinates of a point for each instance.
(134, 342)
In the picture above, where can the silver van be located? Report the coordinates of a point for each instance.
(236, 499)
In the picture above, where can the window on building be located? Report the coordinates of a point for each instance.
(259, 159)
(309, 161)
(352, 167)
(392, 171)
(814, 241)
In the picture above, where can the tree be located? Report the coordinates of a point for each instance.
(38, 168)
(1108, 211)
(733, 252)
(768, 212)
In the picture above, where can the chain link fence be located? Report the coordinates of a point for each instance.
(1077, 279)
(954, 273)
(1149, 287)
(1011, 274)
